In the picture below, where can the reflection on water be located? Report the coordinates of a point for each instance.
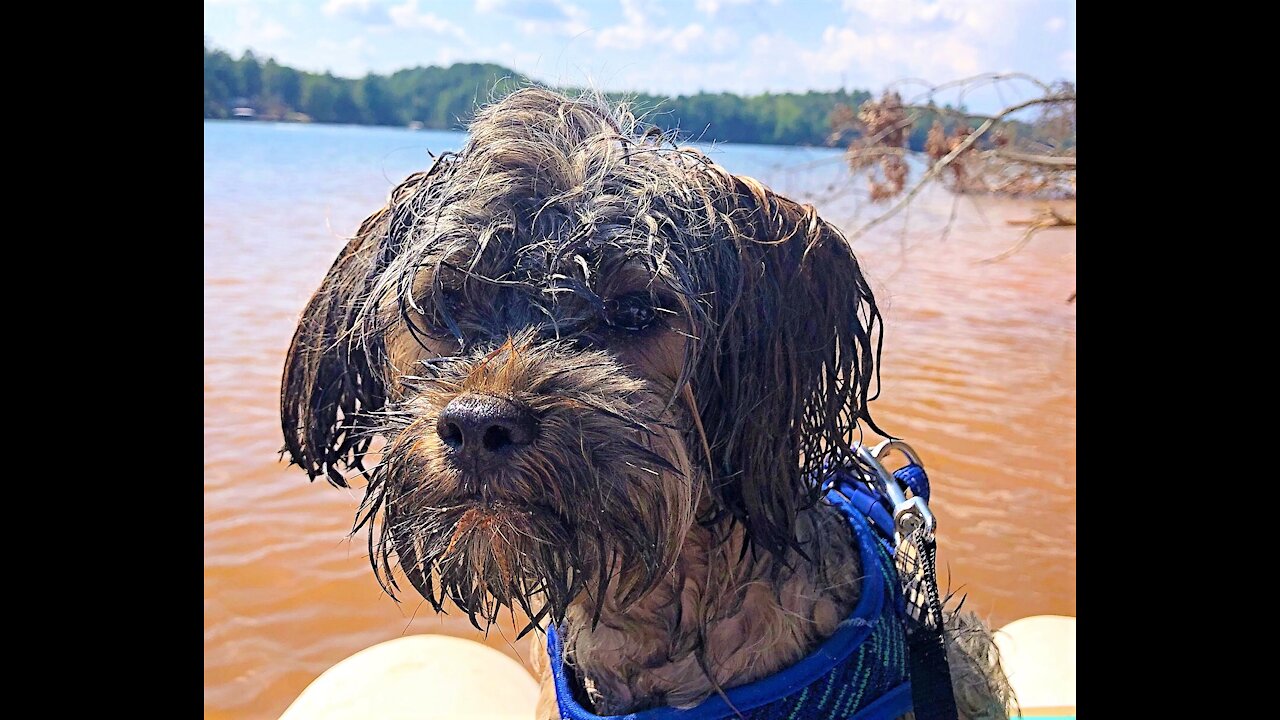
(979, 375)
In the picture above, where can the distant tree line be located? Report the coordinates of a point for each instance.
(778, 119)
(446, 98)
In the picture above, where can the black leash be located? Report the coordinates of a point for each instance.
(931, 692)
(916, 558)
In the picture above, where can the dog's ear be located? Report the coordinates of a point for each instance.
(332, 374)
(793, 354)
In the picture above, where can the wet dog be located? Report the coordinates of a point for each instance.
(608, 375)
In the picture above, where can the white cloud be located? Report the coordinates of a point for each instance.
(893, 12)
(408, 16)
(766, 44)
(622, 37)
(382, 18)
(993, 18)
(349, 58)
(882, 56)
(1067, 62)
(272, 30)
(253, 30)
(882, 41)
(357, 44)
(711, 7)
(638, 31)
(344, 7)
(539, 17)
(519, 58)
(368, 12)
(529, 9)
(573, 26)
(690, 38)
(723, 40)
(682, 39)
(633, 9)
(633, 33)
(1055, 24)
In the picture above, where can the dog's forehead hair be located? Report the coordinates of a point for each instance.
(500, 270)
(554, 272)
(494, 290)
(533, 224)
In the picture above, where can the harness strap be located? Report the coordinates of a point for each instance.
(914, 477)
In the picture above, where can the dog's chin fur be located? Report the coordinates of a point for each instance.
(693, 349)
(724, 617)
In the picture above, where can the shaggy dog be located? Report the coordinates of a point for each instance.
(608, 375)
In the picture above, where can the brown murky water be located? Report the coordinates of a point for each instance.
(979, 375)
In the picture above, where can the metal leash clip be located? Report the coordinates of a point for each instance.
(909, 514)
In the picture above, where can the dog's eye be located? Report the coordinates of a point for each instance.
(433, 312)
(630, 312)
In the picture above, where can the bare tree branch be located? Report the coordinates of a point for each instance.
(973, 82)
(1047, 218)
(950, 157)
(1063, 161)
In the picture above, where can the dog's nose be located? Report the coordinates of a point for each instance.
(485, 428)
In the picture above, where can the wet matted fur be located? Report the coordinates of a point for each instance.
(688, 349)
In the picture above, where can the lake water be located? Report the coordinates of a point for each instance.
(979, 375)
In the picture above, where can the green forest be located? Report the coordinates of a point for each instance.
(445, 98)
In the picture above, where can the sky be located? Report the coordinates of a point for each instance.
(670, 47)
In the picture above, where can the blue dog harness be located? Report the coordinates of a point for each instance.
(862, 672)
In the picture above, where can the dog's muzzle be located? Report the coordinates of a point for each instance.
(482, 432)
